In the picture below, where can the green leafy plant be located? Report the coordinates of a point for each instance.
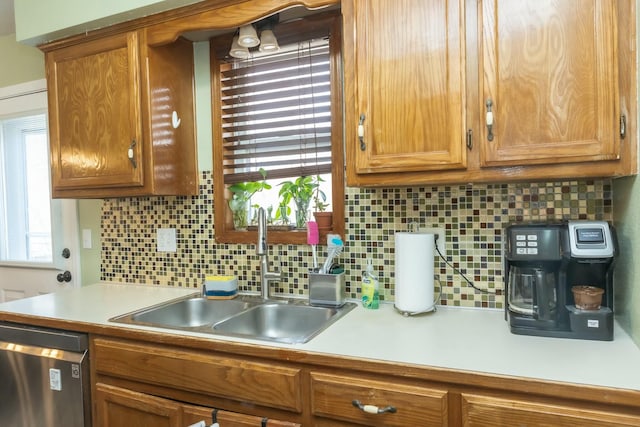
(301, 191)
(319, 198)
(283, 212)
(241, 196)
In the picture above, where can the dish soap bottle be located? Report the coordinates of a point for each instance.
(370, 288)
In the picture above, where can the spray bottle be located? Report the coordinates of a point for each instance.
(370, 287)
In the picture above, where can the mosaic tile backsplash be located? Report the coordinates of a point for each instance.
(473, 217)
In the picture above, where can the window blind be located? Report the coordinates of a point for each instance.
(276, 113)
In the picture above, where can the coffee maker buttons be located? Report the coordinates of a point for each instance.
(532, 251)
(532, 244)
(532, 237)
(521, 237)
(521, 244)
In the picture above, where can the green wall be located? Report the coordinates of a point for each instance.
(626, 199)
(626, 202)
(39, 21)
(20, 63)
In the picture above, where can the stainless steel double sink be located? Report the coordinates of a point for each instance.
(288, 320)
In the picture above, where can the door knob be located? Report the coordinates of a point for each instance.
(64, 277)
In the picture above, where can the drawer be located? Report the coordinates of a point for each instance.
(332, 397)
(487, 411)
(271, 384)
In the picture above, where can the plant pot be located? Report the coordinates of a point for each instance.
(324, 220)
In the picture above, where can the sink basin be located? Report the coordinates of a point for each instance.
(187, 313)
(281, 322)
(287, 321)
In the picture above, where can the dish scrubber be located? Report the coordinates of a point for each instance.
(220, 287)
(313, 238)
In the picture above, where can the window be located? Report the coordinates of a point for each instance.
(25, 216)
(280, 116)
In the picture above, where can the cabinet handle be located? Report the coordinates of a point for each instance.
(372, 409)
(623, 126)
(489, 119)
(130, 154)
(363, 146)
(469, 139)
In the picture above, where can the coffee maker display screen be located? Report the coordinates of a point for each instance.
(590, 235)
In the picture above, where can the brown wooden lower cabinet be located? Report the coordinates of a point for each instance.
(142, 383)
(489, 411)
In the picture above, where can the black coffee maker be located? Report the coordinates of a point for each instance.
(543, 262)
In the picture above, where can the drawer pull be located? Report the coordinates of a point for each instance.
(372, 409)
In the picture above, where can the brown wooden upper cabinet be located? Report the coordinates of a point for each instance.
(409, 84)
(121, 117)
(494, 90)
(550, 81)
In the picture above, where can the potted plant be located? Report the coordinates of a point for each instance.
(323, 218)
(301, 192)
(240, 199)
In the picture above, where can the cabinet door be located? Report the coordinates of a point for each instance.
(94, 113)
(404, 84)
(120, 407)
(488, 411)
(550, 75)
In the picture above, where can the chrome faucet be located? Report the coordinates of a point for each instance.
(262, 251)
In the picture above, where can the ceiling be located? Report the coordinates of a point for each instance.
(7, 20)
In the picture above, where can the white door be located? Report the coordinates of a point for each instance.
(20, 278)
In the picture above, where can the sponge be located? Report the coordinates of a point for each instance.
(220, 287)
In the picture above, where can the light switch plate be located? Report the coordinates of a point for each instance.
(166, 239)
(86, 238)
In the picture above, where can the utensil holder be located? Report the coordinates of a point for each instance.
(327, 290)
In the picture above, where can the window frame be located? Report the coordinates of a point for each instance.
(300, 30)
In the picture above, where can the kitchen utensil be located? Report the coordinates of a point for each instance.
(334, 248)
(313, 238)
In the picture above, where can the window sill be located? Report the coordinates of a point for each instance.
(293, 237)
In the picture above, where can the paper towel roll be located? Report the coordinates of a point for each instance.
(414, 271)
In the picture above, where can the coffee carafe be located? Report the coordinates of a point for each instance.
(543, 262)
(532, 292)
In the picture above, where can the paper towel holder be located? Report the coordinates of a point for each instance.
(433, 308)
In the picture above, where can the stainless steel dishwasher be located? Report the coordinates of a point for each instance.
(44, 377)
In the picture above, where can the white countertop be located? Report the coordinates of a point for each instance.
(475, 340)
